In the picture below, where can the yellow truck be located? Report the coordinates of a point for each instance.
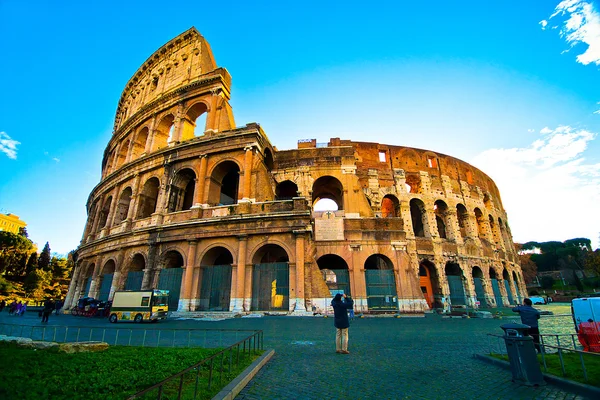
(139, 305)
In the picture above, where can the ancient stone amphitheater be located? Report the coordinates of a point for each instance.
(213, 212)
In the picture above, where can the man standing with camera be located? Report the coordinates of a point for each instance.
(340, 321)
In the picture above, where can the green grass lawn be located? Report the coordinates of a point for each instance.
(116, 373)
(572, 366)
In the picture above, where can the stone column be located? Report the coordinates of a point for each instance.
(72, 286)
(115, 284)
(248, 287)
(133, 204)
(452, 227)
(186, 286)
(178, 126)
(151, 135)
(200, 182)
(247, 173)
(359, 291)
(112, 213)
(239, 299)
(300, 300)
(98, 211)
(95, 277)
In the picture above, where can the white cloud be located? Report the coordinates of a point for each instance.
(56, 159)
(549, 190)
(580, 24)
(530, 130)
(8, 146)
(543, 23)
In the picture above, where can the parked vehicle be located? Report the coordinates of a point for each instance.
(586, 316)
(90, 307)
(139, 305)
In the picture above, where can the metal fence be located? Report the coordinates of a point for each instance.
(204, 371)
(551, 344)
(208, 338)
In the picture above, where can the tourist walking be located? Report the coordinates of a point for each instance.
(340, 321)
(529, 317)
(23, 309)
(48, 308)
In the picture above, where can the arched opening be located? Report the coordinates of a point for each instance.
(122, 156)
(104, 214)
(413, 183)
(455, 277)
(139, 145)
(106, 278)
(328, 187)
(487, 202)
(181, 195)
(494, 230)
(170, 277)
(286, 190)
(335, 273)
(496, 287)
(148, 198)
(224, 184)
(477, 274)
(506, 278)
(516, 282)
(430, 285)
(480, 224)
(381, 283)
(268, 159)
(123, 206)
(463, 219)
(417, 215)
(163, 132)
(270, 279)
(194, 123)
(135, 273)
(441, 217)
(505, 238)
(215, 280)
(390, 207)
(90, 221)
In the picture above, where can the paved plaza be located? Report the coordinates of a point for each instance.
(391, 358)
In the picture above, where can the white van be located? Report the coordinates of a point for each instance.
(139, 305)
(586, 309)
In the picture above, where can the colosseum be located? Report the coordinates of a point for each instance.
(217, 215)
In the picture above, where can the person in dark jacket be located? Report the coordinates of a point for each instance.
(340, 321)
(530, 316)
(48, 308)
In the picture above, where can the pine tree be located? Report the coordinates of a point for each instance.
(32, 263)
(44, 260)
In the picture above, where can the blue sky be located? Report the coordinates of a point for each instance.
(510, 86)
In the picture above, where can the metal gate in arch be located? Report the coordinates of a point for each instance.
(342, 280)
(508, 292)
(497, 293)
(170, 279)
(381, 290)
(87, 286)
(134, 280)
(215, 291)
(105, 287)
(457, 290)
(270, 287)
(480, 292)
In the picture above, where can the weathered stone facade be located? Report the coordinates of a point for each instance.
(213, 212)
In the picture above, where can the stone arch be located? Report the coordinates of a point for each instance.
(224, 183)
(122, 154)
(429, 283)
(418, 215)
(328, 187)
(139, 144)
(456, 284)
(442, 220)
(148, 198)
(105, 279)
(170, 275)
(380, 282)
(135, 272)
(194, 123)
(163, 132)
(181, 193)
(480, 219)
(104, 214)
(432, 160)
(463, 219)
(335, 273)
(413, 182)
(270, 278)
(286, 190)
(215, 279)
(390, 206)
(123, 205)
(268, 159)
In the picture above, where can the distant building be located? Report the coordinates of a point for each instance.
(11, 223)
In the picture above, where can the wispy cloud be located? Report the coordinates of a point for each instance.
(8, 145)
(579, 23)
(549, 189)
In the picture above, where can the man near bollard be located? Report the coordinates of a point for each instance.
(530, 316)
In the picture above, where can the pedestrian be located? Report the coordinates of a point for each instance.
(340, 321)
(529, 317)
(12, 308)
(18, 308)
(58, 306)
(48, 308)
(2, 305)
(23, 309)
(351, 312)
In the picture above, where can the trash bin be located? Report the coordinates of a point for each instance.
(522, 355)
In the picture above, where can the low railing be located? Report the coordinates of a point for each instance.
(568, 344)
(206, 368)
(138, 336)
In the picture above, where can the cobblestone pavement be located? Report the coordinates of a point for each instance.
(391, 358)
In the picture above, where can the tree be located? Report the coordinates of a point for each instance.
(44, 260)
(59, 267)
(528, 267)
(547, 282)
(592, 262)
(32, 263)
(36, 281)
(12, 249)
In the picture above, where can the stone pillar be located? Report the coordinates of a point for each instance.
(178, 126)
(115, 284)
(248, 287)
(200, 182)
(95, 278)
(452, 227)
(151, 135)
(406, 219)
(185, 299)
(430, 223)
(239, 301)
(72, 286)
(133, 204)
(112, 213)
(96, 217)
(247, 173)
(300, 300)
(359, 291)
